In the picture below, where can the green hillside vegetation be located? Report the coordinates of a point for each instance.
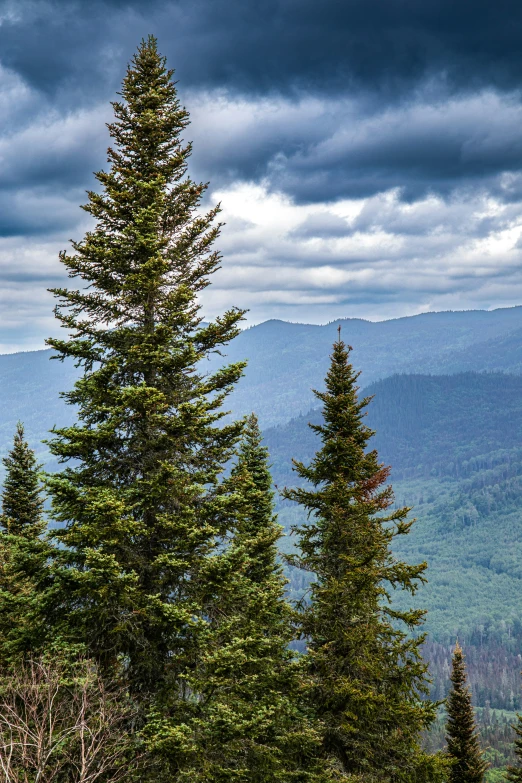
(455, 446)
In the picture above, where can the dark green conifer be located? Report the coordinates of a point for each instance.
(468, 764)
(140, 508)
(366, 672)
(275, 737)
(514, 773)
(23, 553)
(249, 725)
(22, 500)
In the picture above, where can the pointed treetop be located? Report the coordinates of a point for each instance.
(366, 673)
(21, 498)
(469, 765)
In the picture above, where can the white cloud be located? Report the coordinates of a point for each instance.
(374, 256)
(394, 258)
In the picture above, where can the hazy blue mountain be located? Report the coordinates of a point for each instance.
(499, 353)
(30, 386)
(455, 446)
(286, 360)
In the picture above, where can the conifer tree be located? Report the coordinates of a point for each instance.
(140, 507)
(22, 500)
(366, 672)
(249, 725)
(463, 743)
(514, 773)
(23, 552)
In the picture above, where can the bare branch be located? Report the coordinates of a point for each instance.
(63, 721)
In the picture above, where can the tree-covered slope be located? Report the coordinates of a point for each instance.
(502, 353)
(428, 426)
(455, 446)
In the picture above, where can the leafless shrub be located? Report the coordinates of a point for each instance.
(63, 724)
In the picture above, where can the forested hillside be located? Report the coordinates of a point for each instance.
(455, 447)
(428, 426)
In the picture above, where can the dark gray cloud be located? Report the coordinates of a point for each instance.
(38, 212)
(368, 154)
(383, 45)
(327, 150)
(368, 96)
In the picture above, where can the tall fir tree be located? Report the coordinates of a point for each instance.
(249, 720)
(468, 763)
(366, 671)
(140, 508)
(22, 501)
(23, 552)
(514, 772)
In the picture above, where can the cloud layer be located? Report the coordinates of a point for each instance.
(368, 156)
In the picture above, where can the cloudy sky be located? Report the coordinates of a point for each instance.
(367, 153)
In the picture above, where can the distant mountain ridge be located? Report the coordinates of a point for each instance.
(286, 361)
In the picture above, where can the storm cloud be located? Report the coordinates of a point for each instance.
(368, 156)
(279, 45)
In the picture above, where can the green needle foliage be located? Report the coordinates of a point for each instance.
(462, 738)
(514, 773)
(140, 506)
(279, 742)
(247, 725)
(22, 501)
(366, 672)
(23, 552)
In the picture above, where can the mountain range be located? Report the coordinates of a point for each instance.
(286, 360)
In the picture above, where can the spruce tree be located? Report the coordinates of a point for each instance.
(249, 724)
(138, 500)
(514, 773)
(23, 553)
(366, 670)
(22, 501)
(468, 764)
